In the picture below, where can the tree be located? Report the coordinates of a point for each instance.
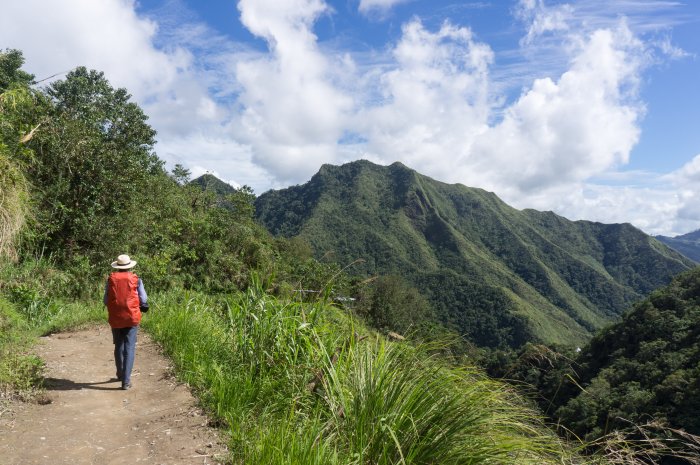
(394, 305)
(94, 161)
(242, 203)
(11, 74)
(181, 175)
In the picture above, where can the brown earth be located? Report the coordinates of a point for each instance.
(90, 420)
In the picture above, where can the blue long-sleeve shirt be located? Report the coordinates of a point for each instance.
(143, 298)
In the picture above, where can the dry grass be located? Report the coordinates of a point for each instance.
(649, 444)
(12, 207)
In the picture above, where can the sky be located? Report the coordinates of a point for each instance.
(588, 108)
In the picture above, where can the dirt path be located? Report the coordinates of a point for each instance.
(92, 421)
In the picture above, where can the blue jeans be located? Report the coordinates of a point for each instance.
(124, 351)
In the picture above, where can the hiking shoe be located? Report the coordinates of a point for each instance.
(126, 387)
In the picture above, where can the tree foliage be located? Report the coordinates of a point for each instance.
(11, 73)
(647, 366)
(93, 164)
(389, 303)
(644, 369)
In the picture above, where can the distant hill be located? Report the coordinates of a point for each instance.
(687, 244)
(209, 182)
(222, 192)
(497, 275)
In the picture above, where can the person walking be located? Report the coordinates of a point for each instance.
(125, 298)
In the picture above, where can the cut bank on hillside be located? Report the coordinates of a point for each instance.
(497, 275)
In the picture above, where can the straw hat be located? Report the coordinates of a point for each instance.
(123, 262)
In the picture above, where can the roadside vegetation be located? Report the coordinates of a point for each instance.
(295, 382)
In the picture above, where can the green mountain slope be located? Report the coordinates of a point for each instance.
(646, 366)
(497, 275)
(687, 244)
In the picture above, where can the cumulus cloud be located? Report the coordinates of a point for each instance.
(565, 131)
(293, 114)
(438, 115)
(105, 35)
(435, 100)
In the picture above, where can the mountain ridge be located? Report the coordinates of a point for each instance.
(497, 275)
(686, 244)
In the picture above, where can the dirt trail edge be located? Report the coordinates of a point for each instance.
(92, 421)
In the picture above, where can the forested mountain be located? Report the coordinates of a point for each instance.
(497, 275)
(645, 367)
(687, 244)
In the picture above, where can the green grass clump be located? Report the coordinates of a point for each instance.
(26, 313)
(304, 383)
(20, 372)
(396, 404)
(246, 355)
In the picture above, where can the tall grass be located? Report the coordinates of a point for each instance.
(304, 383)
(248, 355)
(392, 403)
(28, 308)
(20, 372)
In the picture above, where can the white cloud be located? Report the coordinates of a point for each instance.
(435, 99)
(687, 184)
(543, 19)
(293, 114)
(658, 204)
(566, 131)
(382, 6)
(105, 35)
(215, 152)
(437, 114)
(670, 50)
(666, 204)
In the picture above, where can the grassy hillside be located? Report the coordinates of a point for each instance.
(687, 244)
(293, 382)
(498, 275)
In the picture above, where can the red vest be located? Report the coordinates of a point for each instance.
(123, 300)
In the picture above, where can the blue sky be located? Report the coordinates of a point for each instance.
(588, 108)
